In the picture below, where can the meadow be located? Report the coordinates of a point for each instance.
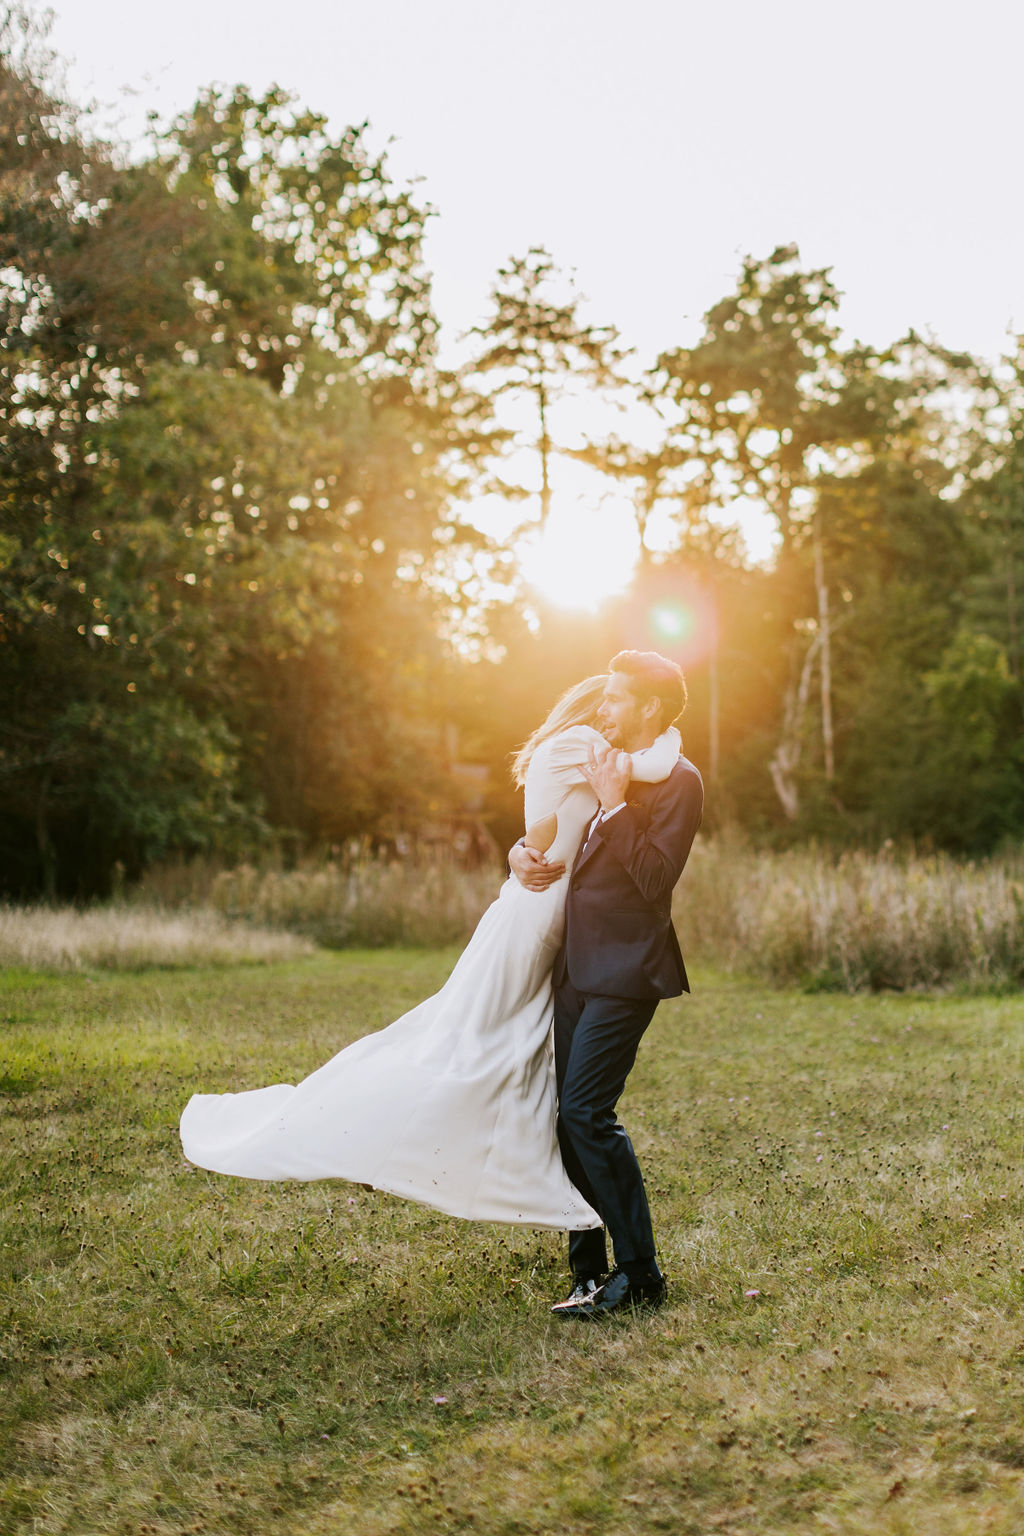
(835, 1182)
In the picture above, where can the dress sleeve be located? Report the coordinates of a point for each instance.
(654, 763)
(569, 750)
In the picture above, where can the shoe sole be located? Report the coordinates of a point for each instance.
(592, 1314)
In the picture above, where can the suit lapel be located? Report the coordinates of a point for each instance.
(586, 852)
(637, 794)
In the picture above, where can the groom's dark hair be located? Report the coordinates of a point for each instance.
(653, 676)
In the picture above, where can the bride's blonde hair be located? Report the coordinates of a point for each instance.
(577, 706)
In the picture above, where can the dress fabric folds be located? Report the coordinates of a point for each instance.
(452, 1105)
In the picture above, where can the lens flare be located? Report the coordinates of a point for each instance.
(679, 619)
(674, 623)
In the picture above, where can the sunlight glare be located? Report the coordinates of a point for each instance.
(584, 556)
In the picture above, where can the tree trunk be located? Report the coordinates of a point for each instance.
(713, 715)
(825, 637)
(1013, 646)
(545, 455)
(784, 763)
(47, 852)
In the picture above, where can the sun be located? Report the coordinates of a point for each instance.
(585, 555)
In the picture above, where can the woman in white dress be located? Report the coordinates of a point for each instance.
(452, 1105)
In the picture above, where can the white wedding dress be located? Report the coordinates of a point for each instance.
(453, 1105)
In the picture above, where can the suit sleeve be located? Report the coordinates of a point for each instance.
(653, 856)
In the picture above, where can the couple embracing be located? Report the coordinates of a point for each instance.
(494, 1100)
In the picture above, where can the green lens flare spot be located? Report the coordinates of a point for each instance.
(673, 621)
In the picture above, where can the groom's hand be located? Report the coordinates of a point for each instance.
(608, 774)
(532, 869)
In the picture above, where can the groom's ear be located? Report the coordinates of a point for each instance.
(651, 709)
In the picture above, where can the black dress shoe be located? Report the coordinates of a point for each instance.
(618, 1294)
(583, 1292)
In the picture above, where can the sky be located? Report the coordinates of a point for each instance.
(650, 146)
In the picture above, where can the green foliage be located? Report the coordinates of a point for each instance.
(300, 237)
(233, 561)
(222, 489)
(755, 397)
(975, 773)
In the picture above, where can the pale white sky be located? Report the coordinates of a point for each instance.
(649, 145)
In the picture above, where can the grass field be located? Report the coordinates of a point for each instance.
(837, 1187)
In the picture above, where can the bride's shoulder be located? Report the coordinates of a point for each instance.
(580, 733)
(569, 747)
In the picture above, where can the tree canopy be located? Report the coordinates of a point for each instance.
(236, 546)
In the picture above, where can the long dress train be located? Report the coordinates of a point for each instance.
(452, 1105)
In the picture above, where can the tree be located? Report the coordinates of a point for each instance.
(78, 292)
(972, 779)
(222, 483)
(533, 345)
(994, 502)
(897, 541)
(299, 237)
(754, 406)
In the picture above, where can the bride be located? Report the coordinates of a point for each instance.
(452, 1105)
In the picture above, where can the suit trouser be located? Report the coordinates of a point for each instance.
(596, 1040)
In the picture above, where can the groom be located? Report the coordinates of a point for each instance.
(619, 957)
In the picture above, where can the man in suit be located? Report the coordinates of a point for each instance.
(619, 957)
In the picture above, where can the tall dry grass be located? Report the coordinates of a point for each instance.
(806, 917)
(129, 937)
(855, 921)
(356, 901)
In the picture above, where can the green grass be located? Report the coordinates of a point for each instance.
(183, 1352)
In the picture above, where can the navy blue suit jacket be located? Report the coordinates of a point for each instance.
(619, 940)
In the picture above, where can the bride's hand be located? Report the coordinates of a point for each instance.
(608, 774)
(532, 869)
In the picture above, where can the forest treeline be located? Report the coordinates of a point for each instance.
(242, 597)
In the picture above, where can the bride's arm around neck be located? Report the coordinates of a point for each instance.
(565, 754)
(654, 763)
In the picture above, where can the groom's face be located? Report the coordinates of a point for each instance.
(621, 719)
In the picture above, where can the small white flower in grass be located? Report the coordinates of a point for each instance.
(751, 1293)
(440, 1402)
